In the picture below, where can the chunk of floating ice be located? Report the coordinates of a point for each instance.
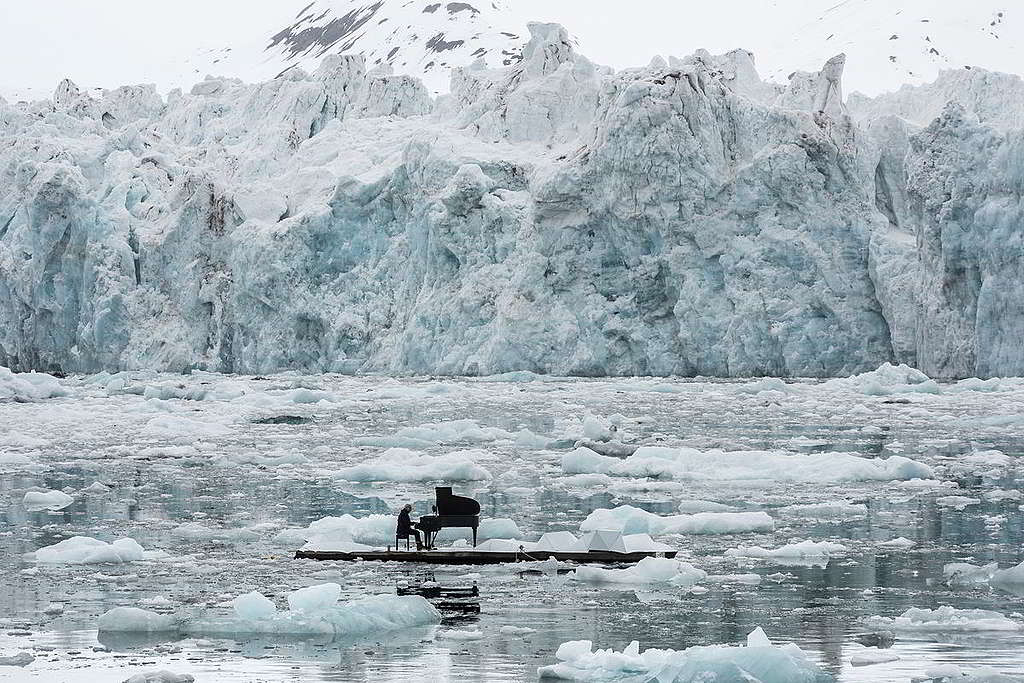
(758, 661)
(20, 659)
(253, 605)
(435, 434)
(887, 379)
(377, 613)
(836, 510)
(460, 635)
(957, 502)
(946, 618)
(897, 544)
(718, 465)
(194, 531)
(401, 465)
(315, 598)
(870, 657)
(801, 550)
(135, 620)
(927, 484)
(96, 487)
(160, 677)
(964, 574)
(646, 571)
(516, 630)
(86, 550)
(689, 507)
(632, 520)
(34, 501)
(28, 386)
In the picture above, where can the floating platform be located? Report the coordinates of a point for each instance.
(464, 557)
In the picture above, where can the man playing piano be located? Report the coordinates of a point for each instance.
(405, 527)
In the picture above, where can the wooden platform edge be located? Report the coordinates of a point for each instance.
(470, 558)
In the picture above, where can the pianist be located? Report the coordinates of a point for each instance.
(406, 529)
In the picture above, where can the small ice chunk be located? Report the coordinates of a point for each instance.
(946, 619)
(897, 543)
(20, 659)
(160, 677)
(870, 657)
(36, 501)
(758, 638)
(461, 635)
(135, 620)
(253, 606)
(315, 598)
(516, 630)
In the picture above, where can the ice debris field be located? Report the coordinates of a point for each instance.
(859, 529)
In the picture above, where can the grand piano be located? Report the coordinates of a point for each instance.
(450, 512)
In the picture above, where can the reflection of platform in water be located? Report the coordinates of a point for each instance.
(470, 557)
(457, 605)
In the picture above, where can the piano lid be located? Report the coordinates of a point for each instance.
(450, 504)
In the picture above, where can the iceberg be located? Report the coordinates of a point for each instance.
(632, 520)
(759, 661)
(401, 465)
(946, 619)
(716, 465)
(86, 550)
(35, 501)
(313, 611)
(647, 570)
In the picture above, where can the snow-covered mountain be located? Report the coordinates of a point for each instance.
(423, 38)
(889, 43)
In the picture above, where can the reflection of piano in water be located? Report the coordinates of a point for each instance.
(450, 512)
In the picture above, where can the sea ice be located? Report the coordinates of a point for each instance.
(28, 386)
(85, 550)
(317, 616)
(632, 520)
(802, 550)
(253, 605)
(160, 677)
(946, 618)
(35, 501)
(401, 465)
(646, 571)
(716, 465)
(759, 661)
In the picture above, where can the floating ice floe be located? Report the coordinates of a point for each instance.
(160, 677)
(946, 618)
(969, 575)
(799, 551)
(886, 380)
(869, 657)
(86, 550)
(463, 636)
(717, 465)
(837, 510)
(632, 520)
(196, 532)
(35, 501)
(647, 571)
(28, 387)
(689, 507)
(401, 465)
(957, 502)
(313, 611)
(897, 544)
(20, 659)
(436, 434)
(759, 661)
(184, 429)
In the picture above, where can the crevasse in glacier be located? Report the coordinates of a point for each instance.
(553, 216)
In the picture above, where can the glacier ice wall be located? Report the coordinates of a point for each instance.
(555, 216)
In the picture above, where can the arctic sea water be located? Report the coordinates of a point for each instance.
(219, 497)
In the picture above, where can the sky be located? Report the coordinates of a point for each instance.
(114, 42)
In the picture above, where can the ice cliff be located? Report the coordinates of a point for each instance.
(551, 216)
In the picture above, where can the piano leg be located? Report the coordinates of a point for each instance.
(474, 537)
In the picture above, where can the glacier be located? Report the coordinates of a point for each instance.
(554, 216)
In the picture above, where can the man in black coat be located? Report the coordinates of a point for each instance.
(405, 527)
